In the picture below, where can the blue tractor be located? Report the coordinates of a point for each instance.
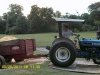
(63, 53)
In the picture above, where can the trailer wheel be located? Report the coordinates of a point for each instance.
(96, 61)
(2, 61)
(62, 54)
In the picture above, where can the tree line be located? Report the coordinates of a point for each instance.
(40, 20)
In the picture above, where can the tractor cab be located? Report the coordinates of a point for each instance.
(65, 20)
(60, 22)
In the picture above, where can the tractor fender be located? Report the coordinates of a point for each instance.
(63, 39)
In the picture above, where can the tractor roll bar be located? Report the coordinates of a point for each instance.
(61, 20)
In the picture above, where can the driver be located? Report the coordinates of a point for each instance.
(66, 33)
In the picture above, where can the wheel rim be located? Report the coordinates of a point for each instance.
(62, 54)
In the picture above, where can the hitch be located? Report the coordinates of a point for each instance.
(88, 59)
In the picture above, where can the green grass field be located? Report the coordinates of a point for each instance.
(43, 39)
(43, 70)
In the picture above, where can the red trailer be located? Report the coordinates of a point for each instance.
(22, 49)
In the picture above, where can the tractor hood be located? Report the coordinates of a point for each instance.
(89, 42)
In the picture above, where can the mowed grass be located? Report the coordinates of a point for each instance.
(43, 39)
(43, 70)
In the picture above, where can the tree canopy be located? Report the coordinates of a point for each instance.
(14, 20)
(41, 20)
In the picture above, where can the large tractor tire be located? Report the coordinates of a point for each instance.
(62, 54)
(96, 61)
(2, 61)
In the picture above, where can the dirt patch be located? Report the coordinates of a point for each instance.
(80, 66)
(31, 61)
(27, 63)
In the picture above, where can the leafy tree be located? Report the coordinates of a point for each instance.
(41, 19)
(57, 14)
(2, 25)
(72, 16)
(76, 27)
(97, 24)
(87, 27)
(94, 7)
(15, 9)
(21, 26)
(66, 15)
(48, 21)
(86, 17)
(94, 10)
(10, 17)
(34, 19)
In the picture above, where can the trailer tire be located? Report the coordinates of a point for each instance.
(96, 61)
(62, 54)
(2, 61)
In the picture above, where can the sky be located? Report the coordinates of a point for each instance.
(70, 6)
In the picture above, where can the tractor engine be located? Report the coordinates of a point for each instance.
(89, 48)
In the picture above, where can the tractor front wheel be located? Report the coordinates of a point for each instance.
(96, 61)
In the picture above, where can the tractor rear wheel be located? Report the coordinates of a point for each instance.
(62, 54)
